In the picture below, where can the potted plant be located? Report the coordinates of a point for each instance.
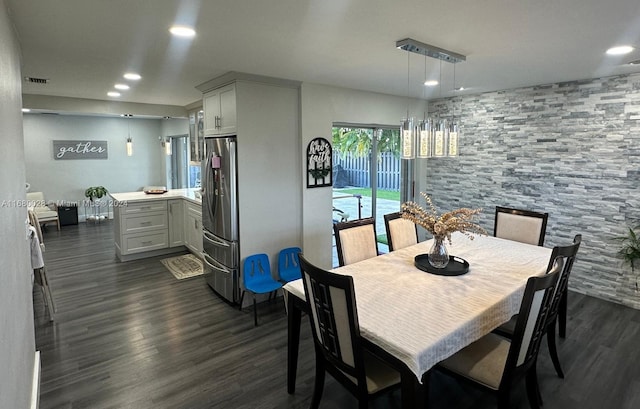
(94, 192)
(630, 250)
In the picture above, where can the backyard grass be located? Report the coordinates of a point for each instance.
(382, 194)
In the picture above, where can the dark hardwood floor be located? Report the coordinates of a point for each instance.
(129, 335)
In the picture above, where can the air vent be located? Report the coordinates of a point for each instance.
(34, 80)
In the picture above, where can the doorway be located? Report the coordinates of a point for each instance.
(369, 178)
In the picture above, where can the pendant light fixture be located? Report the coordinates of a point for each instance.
(424, 133)
(129, 140)
(407, 130)
(433, 138)
(452, 146)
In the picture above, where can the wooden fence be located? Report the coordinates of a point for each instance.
(358, 175)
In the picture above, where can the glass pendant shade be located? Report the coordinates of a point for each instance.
(407, 132)
(424, 138)
(453, 140)
(439, 135)
(129, 147)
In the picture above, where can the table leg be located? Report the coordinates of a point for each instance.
(293, 334)
(414, 393)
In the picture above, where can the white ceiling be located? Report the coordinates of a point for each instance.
(84, 46)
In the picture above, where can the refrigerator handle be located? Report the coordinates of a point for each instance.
(215, 265)
(213, 239)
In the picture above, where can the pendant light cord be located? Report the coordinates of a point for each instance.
(408, 87)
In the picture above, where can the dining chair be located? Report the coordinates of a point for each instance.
(567, 255)
(289, 264)
(37, 263)
(339, 348)
(496, 363)
(401, 232)
(256, 276)
(355, 240)
(47, 213)
(525, 226)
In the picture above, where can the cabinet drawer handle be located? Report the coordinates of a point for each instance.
(146, 243)
(145, 223)
(145, 207)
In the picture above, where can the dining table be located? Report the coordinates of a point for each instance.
(415, 319)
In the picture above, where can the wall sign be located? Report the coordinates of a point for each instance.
(78, 149)
(319, 171)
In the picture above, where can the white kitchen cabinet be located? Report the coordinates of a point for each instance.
(141, 227)
(193, 228)
(220, 111)
(176, 222)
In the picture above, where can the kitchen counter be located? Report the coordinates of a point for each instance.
(148, 225)
(192, 195)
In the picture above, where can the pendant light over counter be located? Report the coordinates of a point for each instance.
(429, 137)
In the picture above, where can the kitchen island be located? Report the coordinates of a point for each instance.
(148, 225)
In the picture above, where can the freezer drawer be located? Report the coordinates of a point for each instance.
(223, 251)
(223, 280)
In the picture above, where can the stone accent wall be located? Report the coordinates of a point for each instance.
(571, 149)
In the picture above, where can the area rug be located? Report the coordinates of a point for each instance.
(184, 266)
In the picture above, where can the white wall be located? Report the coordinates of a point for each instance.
(17, 341)
(67, 179)
(321, 106)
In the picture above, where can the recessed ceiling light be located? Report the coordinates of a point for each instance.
(26, 110)
(121, 86)
(132, 76)
(431, 83)
(460, 89)
(113, 94)
(182, 31)
(620, 50)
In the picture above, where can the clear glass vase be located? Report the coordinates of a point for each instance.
(438, 255)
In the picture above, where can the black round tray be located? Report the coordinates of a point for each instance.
(456, 267)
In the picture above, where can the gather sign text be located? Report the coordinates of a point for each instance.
(63, 150)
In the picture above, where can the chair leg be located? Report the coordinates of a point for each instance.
(241, 298)
(318, 385)
(553, 351)
(532, 389)
(255, 312)
(562, 315)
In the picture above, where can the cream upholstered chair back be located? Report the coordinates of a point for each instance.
(401, 232)
(355, 240)
(335, 325)
(45, 214)
(532, 318)
(524, 226)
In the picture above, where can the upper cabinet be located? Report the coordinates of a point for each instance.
(220, 111)
(196, 136)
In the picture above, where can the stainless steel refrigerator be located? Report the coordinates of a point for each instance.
(220, 216)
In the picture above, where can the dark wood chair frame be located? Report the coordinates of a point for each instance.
(328, 358)
(388, 218)
(514, 373)
(337, 227)
(521, 212)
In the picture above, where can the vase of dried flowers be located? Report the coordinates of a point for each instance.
(438, 256)
(441, 226)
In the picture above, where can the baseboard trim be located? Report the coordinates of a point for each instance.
(35, 386)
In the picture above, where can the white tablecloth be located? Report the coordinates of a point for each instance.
(422, 318)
